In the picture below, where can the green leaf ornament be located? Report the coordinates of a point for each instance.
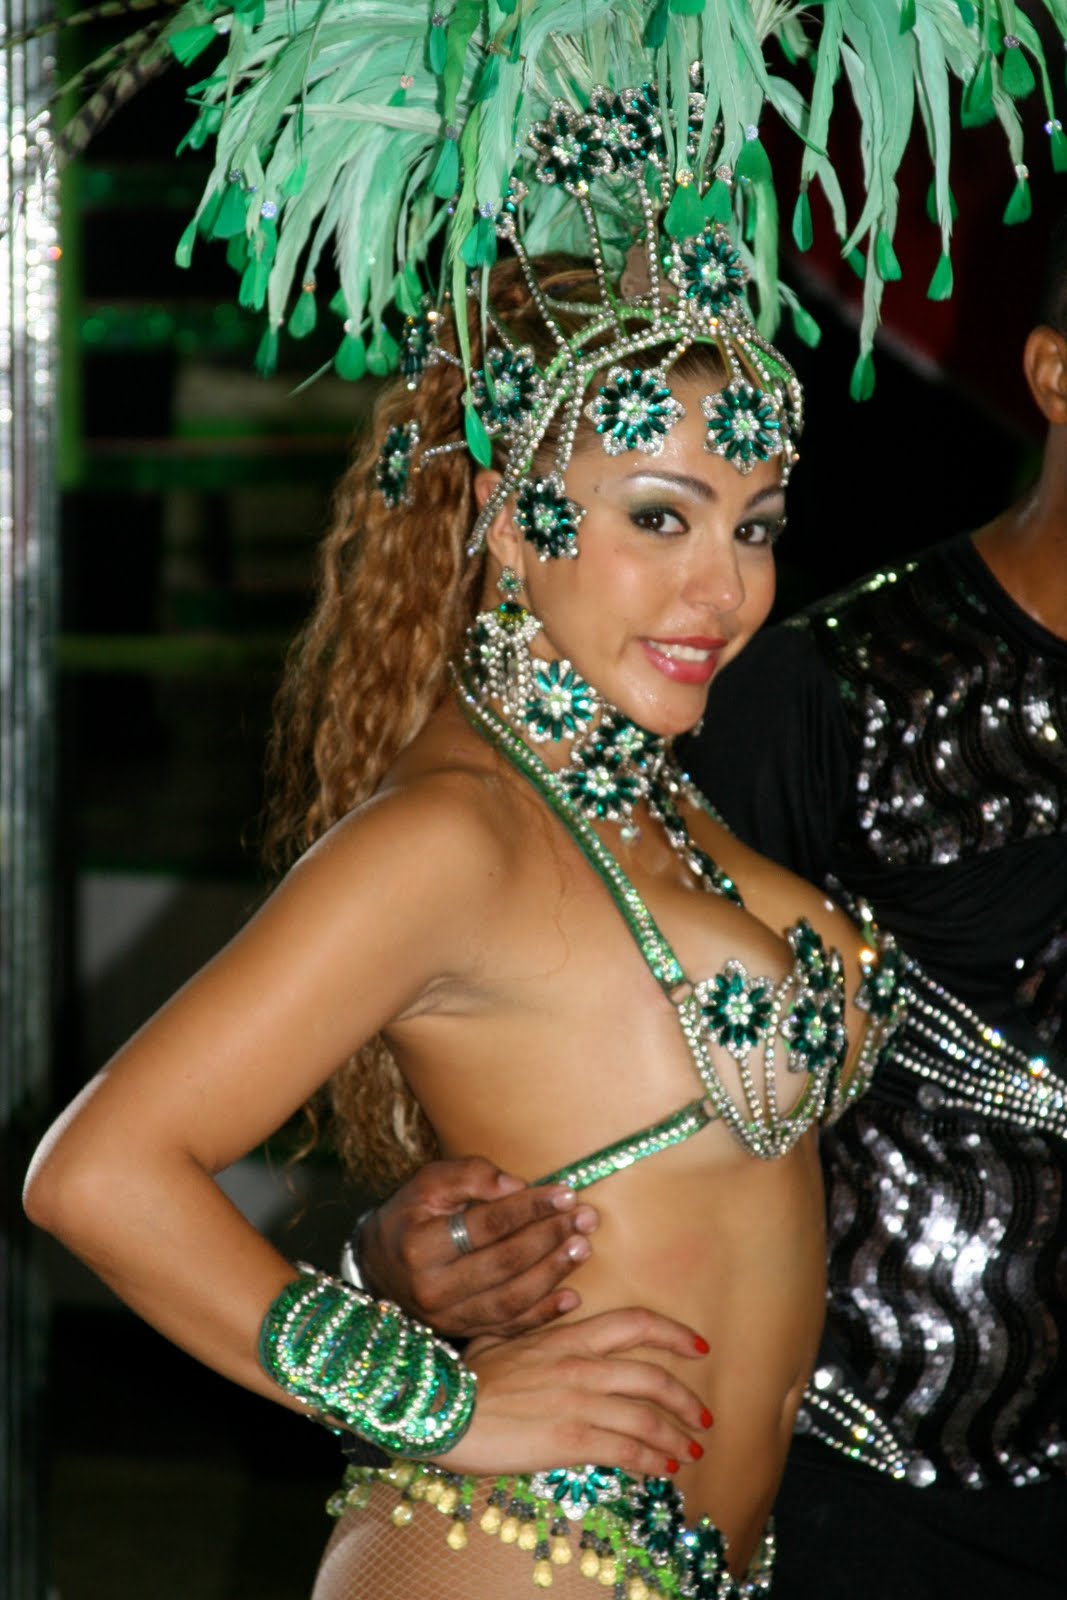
(1058, 149)
(907, 16)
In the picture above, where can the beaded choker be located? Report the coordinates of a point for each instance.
(614, 764)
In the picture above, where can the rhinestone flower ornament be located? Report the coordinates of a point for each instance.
(562, 703)
(506, 389)
(708, 272)
(882, 990)
(600, 783)
(548, 519)
(641, 109)
(570, 148)
(744, 424)
(576, 1490)
(393, 471)
(815, 1031)
(704, 1562)
(658, 1517)
(820, 972)
(634, 410)
(736, 1009)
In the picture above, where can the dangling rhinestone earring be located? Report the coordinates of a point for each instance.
(497, 656)
(509, 584)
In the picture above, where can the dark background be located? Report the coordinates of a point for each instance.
(193, 496)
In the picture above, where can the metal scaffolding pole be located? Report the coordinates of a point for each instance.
(29, 249)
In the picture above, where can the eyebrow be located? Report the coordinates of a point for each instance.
(699, 486)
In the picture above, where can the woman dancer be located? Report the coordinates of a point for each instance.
(513, 888)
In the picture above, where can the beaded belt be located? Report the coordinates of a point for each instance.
(626, 1534)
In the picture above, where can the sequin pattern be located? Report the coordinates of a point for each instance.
(948, 1294)
(962, 732)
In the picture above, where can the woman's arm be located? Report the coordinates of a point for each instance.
(388, 909)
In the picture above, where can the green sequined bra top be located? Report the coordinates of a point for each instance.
(745, 1015)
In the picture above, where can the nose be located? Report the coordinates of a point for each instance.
(715, 581)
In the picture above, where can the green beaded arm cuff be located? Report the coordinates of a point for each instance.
(364, 1365)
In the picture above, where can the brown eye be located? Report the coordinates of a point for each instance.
(658, 519)
(766, 531)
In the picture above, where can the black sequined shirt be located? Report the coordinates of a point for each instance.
(908, 739)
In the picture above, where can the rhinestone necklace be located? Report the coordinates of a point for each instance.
(613, 765)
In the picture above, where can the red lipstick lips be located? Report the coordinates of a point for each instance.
(692, 659)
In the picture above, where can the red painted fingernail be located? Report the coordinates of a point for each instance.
(701, 1345)
(695, 1450)
(706, 1418)
(672, 1465)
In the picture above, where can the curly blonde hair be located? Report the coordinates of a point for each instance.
(396, 593)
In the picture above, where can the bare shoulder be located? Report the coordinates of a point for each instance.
(440, 818)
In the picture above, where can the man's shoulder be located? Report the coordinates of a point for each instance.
(862, 602)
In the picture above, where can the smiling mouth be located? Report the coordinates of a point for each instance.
(684, 652)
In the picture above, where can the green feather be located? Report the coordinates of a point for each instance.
(1018, 207)
(805, 326)
(718, 203)
(656, 26)
(907, 16)
(183, 253)
(1058, 148)
(189, 43)
(885, 257)
(267, 353)
(802, 232)
(941, 282)
(474, 431)
(685, 214)
(302, 322)
(384, 353)
(437, 49)
(861, 384)
(351, 359)
(977, 105)
(1016, 74)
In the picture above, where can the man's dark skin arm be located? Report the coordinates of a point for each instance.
(525, 1242)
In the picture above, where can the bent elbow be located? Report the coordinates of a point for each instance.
(64, 1194)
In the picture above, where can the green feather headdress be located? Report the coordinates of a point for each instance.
(370, 128)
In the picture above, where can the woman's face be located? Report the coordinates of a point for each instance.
(674, 574)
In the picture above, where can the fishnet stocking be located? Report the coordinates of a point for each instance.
(370, 1558)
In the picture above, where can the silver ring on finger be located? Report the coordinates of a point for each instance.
(457, 1231)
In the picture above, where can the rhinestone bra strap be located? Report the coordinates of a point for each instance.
(653, 945)
(612, 1158)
